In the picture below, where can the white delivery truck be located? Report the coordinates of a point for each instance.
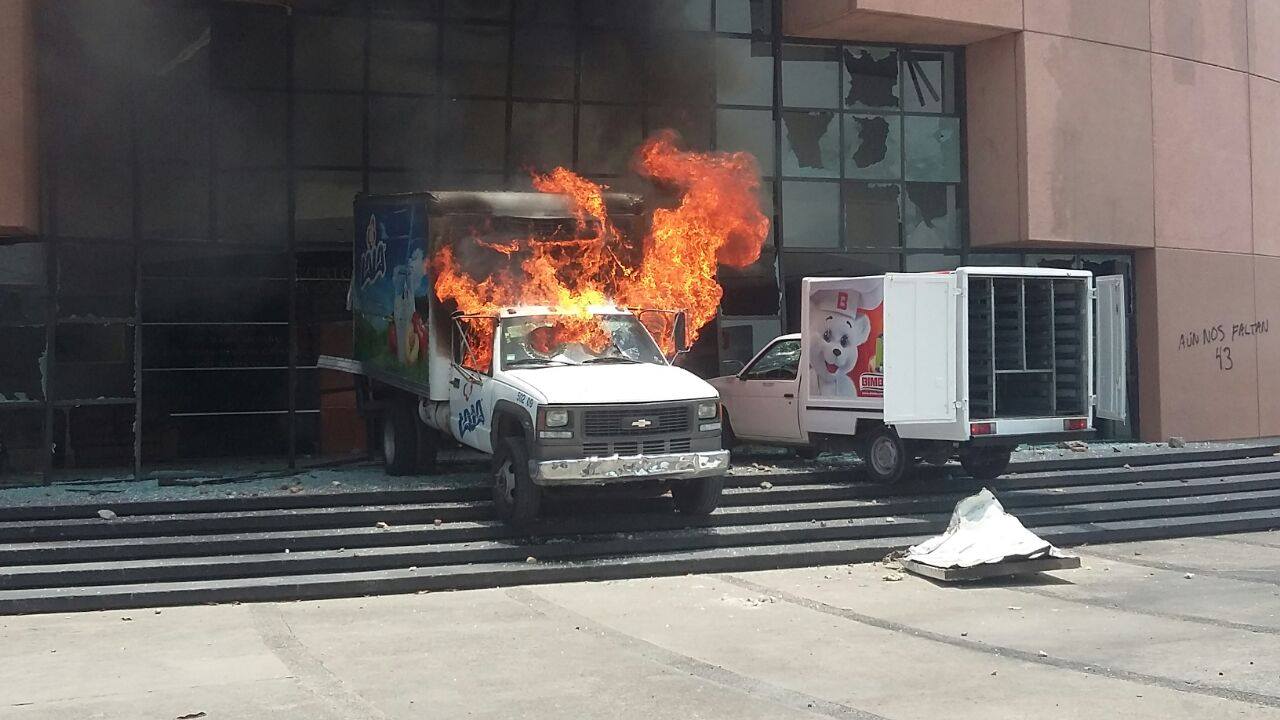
(970, 362)
(552, 411)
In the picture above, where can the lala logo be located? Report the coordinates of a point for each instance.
(470, 418)
(373, 263)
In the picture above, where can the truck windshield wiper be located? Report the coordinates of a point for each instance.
(610, 358)
(539, 362)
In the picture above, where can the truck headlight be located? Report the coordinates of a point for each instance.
(556, 417)
(708, 409)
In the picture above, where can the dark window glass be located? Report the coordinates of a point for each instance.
(251, 128)
(560, 12)
(811, 214)
(249, 45)
(679, 69)
(175, 202)
(693, 122)
(474, 129)
(875, 147)
(682, 14)
(810, 143)
(324, 206)
(743, 16)
(871, 77)
(402, 56)
(543, 63)
(607, 137)
(328, 52)
(405, 9)
(747, 130)
(929, 262)
(744, 72)
(175, 125)
(475, 60)
(485, 9)
(810, 76)
(614, 14)
(871, 215)
(932, 217)
(402, 131)
(610, 67)
(541, 136)
(328, 130)
(252, 206)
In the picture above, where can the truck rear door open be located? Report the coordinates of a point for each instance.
(920, 348)
(1112, 348)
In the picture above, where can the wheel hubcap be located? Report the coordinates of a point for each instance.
(506, 482)
(884, 455)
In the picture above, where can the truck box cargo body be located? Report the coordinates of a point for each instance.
(948, 361)
(512, 381)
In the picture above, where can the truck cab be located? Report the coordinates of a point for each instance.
(966, 363)
(566, 399)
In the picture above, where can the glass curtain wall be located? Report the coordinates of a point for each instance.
(202, 155)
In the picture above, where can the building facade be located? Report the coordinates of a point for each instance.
(176, 179)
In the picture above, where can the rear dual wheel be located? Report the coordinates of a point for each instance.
(985, 463)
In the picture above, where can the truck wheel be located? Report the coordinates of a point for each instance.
(985, 463)
(428, 448)
(400, 438)
(808, 452)
(516, 498)
(697, 496)
(884, 456)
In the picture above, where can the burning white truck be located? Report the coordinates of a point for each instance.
(966, 363)
(559, 395)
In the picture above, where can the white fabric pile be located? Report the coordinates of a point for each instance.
(981, 532)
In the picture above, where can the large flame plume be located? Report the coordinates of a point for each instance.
(716, 220)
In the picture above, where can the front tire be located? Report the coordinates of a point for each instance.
(884, 456)
(697, 496)
(516, 499)
(985, 463)
(400, 438)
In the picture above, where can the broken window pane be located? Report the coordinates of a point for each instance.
(933, 148)
(744, 72)
(871, 77)
(928, 82)
(875, 147)
(743, 16)
(810, 144)
(749, 130)
(810, 214)
(810, 76)
(932, 218)
(871, 216)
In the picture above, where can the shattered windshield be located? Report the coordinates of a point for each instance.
(547, 340)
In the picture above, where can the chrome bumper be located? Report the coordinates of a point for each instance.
(620, 468)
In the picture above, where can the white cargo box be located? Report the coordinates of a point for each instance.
(1008, 352)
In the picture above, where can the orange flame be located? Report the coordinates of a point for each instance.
(716, 220)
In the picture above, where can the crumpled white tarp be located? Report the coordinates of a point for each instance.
(981, 532)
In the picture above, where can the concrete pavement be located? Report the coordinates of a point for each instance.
(1127, 635)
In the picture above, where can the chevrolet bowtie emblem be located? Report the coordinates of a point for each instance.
(641, 423)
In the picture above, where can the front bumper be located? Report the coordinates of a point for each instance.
(623, 468)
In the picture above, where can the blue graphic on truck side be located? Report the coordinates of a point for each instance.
(470, 418)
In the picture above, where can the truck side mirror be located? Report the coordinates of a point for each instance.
(682, 332)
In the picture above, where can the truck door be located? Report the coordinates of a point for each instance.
(1112, 349)
(470, 397)
(764, 401)
(920, 348)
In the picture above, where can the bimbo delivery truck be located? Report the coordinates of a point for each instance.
(514, 383)
(967, 363)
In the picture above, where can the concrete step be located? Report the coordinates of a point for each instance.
(454, 577)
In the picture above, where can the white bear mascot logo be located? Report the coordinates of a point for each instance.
(838, 330)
